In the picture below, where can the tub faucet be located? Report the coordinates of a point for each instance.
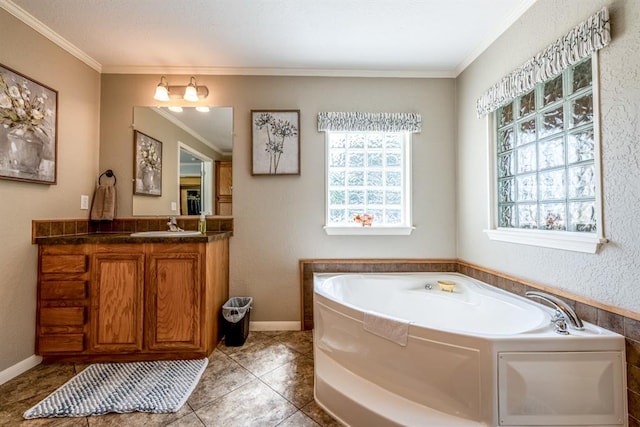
(563, 312)
(173, 224)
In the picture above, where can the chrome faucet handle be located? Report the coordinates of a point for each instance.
(559, 323)
(562, 308)
(173, 224)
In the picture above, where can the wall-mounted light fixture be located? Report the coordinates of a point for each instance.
(191, 92)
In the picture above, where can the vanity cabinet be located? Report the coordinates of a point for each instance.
(123, 302)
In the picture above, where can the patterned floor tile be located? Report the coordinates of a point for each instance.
(264, 357)
(222, 376)
(253, 404)
(254, 338)
(294, 381)
(38, 380)
(315, 412)
(299, 419)
(300, 341)
(190, 420)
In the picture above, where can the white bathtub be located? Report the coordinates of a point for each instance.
(478, 356)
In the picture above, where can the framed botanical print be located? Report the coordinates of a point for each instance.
(275, 137)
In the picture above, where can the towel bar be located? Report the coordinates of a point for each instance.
(109, 173)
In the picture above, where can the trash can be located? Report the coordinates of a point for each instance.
(235, 313)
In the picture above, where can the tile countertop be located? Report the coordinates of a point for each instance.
(116, 238)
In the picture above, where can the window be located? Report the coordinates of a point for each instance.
(547, 174)
(368, 173)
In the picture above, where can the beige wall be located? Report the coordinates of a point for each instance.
(78, 86)
(610, 277)
(279, 220)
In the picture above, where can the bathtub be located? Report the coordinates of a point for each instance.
(477, 356)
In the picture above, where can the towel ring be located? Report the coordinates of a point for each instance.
(109, 173)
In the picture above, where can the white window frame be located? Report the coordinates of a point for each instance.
(566, 240)
(375, 229)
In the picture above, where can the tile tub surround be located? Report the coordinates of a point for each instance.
(266, 382)
(73, 227)
(612, 318)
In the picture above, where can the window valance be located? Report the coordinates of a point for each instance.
(369, 122)
(579, 43)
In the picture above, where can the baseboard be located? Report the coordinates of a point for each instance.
(274, 326)
(19, 368)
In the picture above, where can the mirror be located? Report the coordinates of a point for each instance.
(193, 144)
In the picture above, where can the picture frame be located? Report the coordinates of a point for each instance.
(275, 142)
(28, 129)
(147, 167)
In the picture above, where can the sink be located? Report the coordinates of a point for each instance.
(166, 233)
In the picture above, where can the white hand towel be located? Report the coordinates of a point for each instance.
(391, 328)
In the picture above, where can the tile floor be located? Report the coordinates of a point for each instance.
(267, 382)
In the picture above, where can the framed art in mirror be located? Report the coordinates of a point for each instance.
(275, 142)
(28, 131)
(148, 165)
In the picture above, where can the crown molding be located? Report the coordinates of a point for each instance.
(291, 72)
(497, 32)
(40, 27)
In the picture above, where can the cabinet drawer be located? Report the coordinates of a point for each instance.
(61, 316)
(60, 343)
(63, 263)
(75, 289)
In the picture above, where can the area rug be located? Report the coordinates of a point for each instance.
(158, 387)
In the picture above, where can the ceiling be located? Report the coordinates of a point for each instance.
(395, 38)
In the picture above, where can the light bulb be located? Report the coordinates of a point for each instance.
(191, 91)
(162, 94)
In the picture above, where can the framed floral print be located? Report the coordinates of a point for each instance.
(147, 168)
(275, 137)
(28, 129)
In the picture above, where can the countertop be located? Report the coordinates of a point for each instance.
(117, 238)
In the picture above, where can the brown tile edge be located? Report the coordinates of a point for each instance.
(551, 290)
(74, 227)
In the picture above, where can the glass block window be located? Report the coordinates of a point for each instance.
(545, 166)
(368, 174)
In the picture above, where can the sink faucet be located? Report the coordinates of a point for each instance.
(563, 312)
(173, 224)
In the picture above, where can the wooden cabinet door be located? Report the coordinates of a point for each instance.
(174, 301)
(117, 292)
